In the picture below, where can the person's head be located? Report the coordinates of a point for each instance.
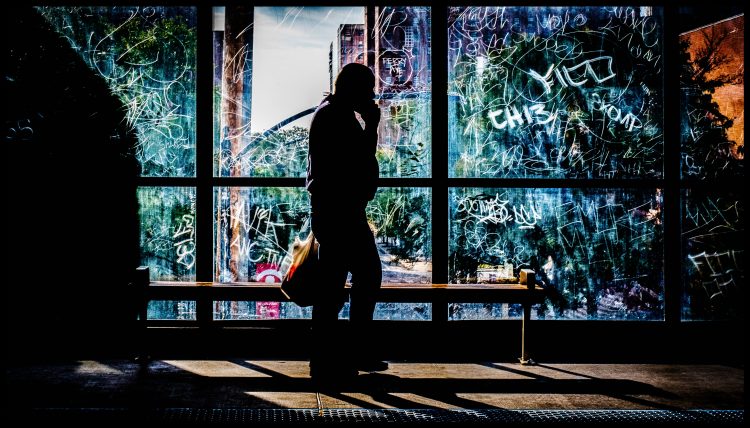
(355, 85)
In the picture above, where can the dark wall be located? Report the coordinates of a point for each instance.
(71, 227)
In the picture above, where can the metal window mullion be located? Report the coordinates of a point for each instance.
(439, 58)
(554, 183)
(672, 193)
(204, 159)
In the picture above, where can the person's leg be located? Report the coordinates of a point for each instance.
(367, 274)
(326, 357)
(326, 351)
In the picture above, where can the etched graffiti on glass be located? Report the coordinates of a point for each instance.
(599, 252)
(484, 311)
(273, 65)
(171, 310)
(234, 310)
(401, 221)
(251, 310)
(713, 243)
(713, 99)
(167, 216)
(255, 228)
(392, 311)
(403, 85)
(555, 92)
(147, 57)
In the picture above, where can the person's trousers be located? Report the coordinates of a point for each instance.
(347, 245)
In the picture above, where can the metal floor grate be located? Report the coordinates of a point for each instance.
(458, 417)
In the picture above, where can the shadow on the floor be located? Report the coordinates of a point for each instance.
(382, 387)
(161, 384)
(618, 393)
(383, 382)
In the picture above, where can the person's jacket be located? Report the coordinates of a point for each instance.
(341, 163)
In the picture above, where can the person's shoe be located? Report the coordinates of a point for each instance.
(369, 365)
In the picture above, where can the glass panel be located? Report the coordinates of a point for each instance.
(257, 226)
(147, 57)
(227, 310)
(404, 86)
(402, 221)
(273, 65)
(287, 310)
(485, 311)
(259, 57)
(713, 245)
(555, 92)
(171, 310)
(254, 230)
(712, 58)
(403, 311)
(598, 251)
(167, 216)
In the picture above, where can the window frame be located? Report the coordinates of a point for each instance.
(671, 182)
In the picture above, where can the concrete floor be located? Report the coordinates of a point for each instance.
(406, 385)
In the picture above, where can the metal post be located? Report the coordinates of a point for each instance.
(528, 277)
(525, 360)
(140, 299)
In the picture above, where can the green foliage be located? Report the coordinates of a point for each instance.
(404, 138)
(401, 218)
(168, 40)
(280, 154)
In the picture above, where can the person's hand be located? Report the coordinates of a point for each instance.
(371, 115)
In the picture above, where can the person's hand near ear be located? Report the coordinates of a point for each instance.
(371, 115)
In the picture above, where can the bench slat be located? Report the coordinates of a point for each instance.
(205, 292)
(459, 293)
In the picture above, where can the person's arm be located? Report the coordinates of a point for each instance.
(371, 116)
(320, 158)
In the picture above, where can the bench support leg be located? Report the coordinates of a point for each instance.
(525, 360)
(140, 285)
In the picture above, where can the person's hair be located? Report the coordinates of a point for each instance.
(353, 77)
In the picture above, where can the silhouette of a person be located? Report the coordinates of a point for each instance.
(342, 174)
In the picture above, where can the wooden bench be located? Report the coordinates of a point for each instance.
(525, 292)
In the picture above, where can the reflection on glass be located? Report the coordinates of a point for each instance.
(233, 310)
(226, 310)
(712, 62)
(598, 251)
(555, 92)
(147, 57)
(171, 310)
(167, 216)
(713, 246)
(273, 66)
